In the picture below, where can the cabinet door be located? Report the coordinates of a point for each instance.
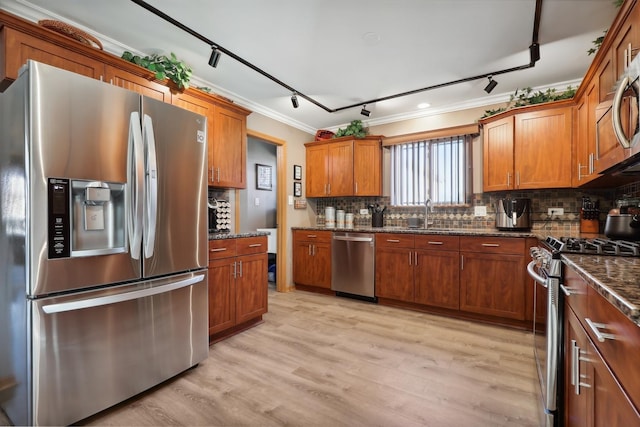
(394, 273)
(18, 47)
(229, 148)
(138, 84)
(251, 287)
(340, 161)
(606, 80)
(543, 149)
(611, 405)
(584, 138)
(367, 168)
(320, 265)
(222, 295)
(577, 389)
(492, 284)
(609, 151)
(200, 106)
(437, 279)
(316, 171)
(498, 155)
(627, 42)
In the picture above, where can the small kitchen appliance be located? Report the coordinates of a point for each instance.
(513, 214)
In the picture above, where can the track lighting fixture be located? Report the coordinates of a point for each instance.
(492, 84)
(215, 56)
(364, 111)
(294, 100)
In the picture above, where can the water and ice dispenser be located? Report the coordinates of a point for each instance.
(86, 218)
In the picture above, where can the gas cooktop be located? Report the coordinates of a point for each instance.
(595, 246)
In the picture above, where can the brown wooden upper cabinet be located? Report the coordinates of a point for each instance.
(584, 138)
(528, 149)
(344, 167)
(21, 40)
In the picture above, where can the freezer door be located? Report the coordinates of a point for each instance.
(175, 219)
(76, 129)
(103, 347)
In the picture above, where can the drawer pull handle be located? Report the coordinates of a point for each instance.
(217, 250)
(312, 236)
(393, 240)
(435, 243)
(255, 245)
(595, 327)
(491, 245)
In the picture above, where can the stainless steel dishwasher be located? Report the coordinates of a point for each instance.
(353, 265)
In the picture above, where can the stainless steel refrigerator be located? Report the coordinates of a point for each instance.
(103, 245)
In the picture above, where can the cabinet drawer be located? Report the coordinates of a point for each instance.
(494, 245)
(437, 242)
(251, 245)
(577, 298)
(312, 235)
(385, 240)
(222, 248)
(620, 349)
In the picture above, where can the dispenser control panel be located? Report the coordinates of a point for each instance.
(59, 218)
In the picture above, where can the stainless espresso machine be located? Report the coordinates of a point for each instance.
(513, 214)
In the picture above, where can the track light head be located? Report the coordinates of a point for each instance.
(294, 100)
(492, 84)
(364, 111)
(215, 56)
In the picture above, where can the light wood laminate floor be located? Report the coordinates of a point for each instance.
(327, 361)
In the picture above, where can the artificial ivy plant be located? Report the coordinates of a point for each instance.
(354, 128)
(526, 96)
(164, 67)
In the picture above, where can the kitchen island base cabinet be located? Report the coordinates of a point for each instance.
(237, 285)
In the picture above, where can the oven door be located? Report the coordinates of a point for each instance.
(547, 334)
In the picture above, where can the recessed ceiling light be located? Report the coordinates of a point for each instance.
(424, 105)
(371, 38)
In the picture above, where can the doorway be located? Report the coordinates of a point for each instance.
(266, 209)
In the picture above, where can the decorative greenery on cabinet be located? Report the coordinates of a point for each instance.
(526, 96)
(165, 67)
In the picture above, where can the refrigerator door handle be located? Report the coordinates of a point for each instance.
(135, 179)
(151, 164)
(126, 296)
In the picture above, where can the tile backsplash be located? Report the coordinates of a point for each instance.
(463, 216)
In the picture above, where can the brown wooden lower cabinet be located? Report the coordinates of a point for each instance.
(237, 283)
(312, 258)
(593, 395)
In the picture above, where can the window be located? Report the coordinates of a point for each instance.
(436, 169)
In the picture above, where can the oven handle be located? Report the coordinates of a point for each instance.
(535, 276)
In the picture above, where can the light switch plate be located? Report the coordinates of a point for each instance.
(290, 199)
(364, 211)
(480, 210)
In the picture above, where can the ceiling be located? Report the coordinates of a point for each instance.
(342, 53)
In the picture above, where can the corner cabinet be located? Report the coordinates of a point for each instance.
(528, 148)
(237, 284)
(344, 167)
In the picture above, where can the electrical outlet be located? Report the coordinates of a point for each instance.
(555, 211)
(364, 211)
(480, 210)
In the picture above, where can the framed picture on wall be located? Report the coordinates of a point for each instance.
(297, 189)
(297, 172)
(263, 177)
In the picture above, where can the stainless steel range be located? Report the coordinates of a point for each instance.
(547, 271)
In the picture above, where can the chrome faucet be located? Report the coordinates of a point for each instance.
(427, 209)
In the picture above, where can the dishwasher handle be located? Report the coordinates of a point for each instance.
(353, 239)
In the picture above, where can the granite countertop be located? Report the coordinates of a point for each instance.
(485, 232)
(222, 236)
(615, 278)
